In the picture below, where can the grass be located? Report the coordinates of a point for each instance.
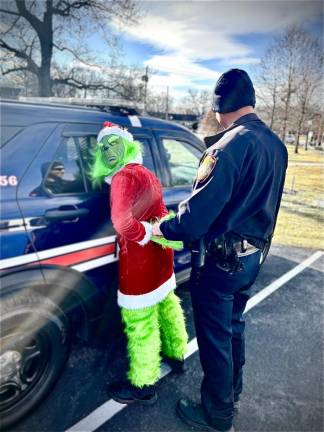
(310, 155)
(300, 220)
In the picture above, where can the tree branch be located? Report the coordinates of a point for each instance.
(32, 66)
(32, 19)
(69, 6)
(80, 59)
(73, 82)
(12, 26)
(9, 12)
(16, 69)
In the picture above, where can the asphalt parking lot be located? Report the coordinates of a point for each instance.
(283, 374)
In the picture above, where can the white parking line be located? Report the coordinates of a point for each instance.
(261, 295)
(106, 411)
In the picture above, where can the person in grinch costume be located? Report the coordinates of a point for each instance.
(151, 312)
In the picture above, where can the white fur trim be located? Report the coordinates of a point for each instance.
(148, 233)
(108, 179)
(138, 159)
(145, 300)
(115, 130)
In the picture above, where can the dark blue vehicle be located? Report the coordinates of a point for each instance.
(58, 253)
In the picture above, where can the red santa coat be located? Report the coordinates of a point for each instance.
(146, 273)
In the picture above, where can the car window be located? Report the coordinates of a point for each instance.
(7, 132)
(183, 159)
(63, 174)
(87, 146)
(147, 154)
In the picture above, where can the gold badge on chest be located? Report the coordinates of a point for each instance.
(206, 167)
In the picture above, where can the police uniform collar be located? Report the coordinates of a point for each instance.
(245, 119)
(210, 140)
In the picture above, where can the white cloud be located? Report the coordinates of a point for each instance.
(185, 33)
(237, 17)
(196, 42)
(179, 64)
(159, 81)
(176, 81)
(243, 61)
(159, 32)
(209, 29)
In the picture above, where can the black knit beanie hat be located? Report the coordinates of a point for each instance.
(233, 90)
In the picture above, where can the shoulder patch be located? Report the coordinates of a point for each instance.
(206, 167)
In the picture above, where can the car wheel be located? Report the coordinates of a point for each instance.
(34, 346)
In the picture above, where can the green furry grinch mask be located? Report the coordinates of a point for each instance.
(115, 148)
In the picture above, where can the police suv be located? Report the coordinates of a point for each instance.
(58, 250)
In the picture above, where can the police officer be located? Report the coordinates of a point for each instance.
(230, 217)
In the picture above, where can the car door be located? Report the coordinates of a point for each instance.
(180, 153)
(150, 153)
(69, 218)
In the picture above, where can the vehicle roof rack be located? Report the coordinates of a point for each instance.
(113, 106)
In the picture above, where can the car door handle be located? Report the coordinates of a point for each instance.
(65, 215)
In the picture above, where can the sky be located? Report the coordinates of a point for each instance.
(190, 43)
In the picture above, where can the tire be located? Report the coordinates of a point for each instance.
(34, 346)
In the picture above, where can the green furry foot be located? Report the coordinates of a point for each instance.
(143, 344)
(172, 327)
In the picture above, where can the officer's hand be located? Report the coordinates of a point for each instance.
(156, 230)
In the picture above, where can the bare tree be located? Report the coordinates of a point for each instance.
(268, 83)
(159, 102)
(288, 76)
(319, 125)
(208, 125)
(310, 80)
(196, 102)
(33, 32)
(288, 48)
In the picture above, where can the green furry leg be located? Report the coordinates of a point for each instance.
(172, 327)
(144, 345)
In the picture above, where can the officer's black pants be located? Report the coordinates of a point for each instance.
(218, 303)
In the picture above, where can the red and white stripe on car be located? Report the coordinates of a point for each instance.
(81, 256)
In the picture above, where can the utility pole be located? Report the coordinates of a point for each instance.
(167, 104)
(145, 78)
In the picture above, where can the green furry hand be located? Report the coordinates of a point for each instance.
(169, 216)
(173, 244)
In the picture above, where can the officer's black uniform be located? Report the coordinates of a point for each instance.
(236, 196)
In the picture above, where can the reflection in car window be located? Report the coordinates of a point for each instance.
(183, 161)
(87, 145)
(63, 174)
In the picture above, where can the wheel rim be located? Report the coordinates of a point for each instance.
(16, 381)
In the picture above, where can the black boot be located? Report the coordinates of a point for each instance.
(124, 392)
(177, 366)
(193, 414)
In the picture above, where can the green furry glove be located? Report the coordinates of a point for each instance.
(173, 244)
